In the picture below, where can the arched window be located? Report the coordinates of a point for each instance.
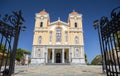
(76, 40)
(75, 24)
(41, 24)
(39, 39)
(58, 35)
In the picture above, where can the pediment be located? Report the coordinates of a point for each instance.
(58, 23)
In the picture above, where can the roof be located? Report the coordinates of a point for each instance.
(74, 12)
(43, 12)
(1, 54)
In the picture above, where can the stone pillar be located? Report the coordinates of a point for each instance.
(69, 55)
(53, 55)
(46, 55)
(63, 55)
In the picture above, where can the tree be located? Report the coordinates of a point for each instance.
(2, 48)
(86, 61)
(20, 53)
(86, 58)
(97, 60)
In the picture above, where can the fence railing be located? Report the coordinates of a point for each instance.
(109, 37)
(10, 26)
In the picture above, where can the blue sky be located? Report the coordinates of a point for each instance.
(90, 9)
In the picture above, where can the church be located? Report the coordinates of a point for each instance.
(58, 42)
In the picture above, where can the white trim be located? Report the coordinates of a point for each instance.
(63, 60)
(38, 15)
(52, 27)
(72, 59)
(58, 42)
(64, 28)
(66, 42)
(50, 42)
(72, 15)
(77, 30)
(56, 22)
(53, 55)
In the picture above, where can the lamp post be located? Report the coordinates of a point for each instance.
(97, 26)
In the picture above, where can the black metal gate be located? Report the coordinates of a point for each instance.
(10, 26)
(109, 36)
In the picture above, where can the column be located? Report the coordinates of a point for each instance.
(69, 55)
(53, 55)
(63, 55)
(46, 55)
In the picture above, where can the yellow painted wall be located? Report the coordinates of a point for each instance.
(45, 30)
(49, 52)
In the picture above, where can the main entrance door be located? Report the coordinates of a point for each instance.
(58, 58)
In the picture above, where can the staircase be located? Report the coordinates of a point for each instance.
(57, 63)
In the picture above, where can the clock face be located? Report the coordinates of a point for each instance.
(41, 17)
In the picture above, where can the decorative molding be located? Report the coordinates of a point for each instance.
(75, 31)
(41, 31)
(72, 15)
(56, 22)
(38, 15)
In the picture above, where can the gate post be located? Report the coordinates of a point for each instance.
(13, 54)
(10, 26)
(96, 26)
(18, 27)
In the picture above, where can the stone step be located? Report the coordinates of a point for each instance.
(57, 63)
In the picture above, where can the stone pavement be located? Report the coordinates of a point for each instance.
(58, 70)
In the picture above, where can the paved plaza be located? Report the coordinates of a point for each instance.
(58, 70)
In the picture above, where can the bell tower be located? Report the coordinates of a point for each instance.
(75, 20)
(42, 19)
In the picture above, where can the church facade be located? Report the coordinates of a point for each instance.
(58, 41)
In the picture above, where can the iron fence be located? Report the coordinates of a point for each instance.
(10, 26)
(109, 37)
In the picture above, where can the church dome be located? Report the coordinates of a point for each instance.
(74, 12)
(43, 12)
